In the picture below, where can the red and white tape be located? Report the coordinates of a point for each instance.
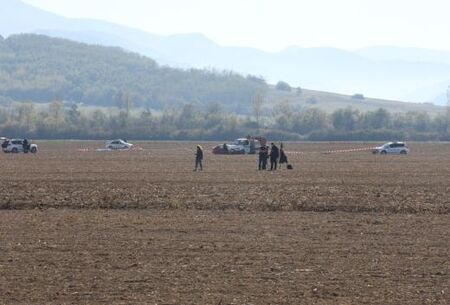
(135, 148)
(330, 151)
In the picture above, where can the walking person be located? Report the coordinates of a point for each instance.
(283, 156)
(274, 155)
(199, 158)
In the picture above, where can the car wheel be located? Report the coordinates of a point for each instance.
(14, 150)
(403, 152)
(383, 152)
(33, 150)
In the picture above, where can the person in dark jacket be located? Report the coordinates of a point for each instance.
(5, 143)
(263, 155)
(266, 157)
(25, 146)
(283, 157)
(225, 149)
(274, 155)
(199, 158)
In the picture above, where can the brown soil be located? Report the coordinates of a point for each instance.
(141, 227)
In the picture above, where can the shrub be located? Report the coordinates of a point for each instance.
(283, 86)
(358, 96)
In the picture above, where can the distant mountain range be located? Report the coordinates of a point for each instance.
(41, 69)
(418, 75)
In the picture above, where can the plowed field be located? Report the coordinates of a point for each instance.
(140, 227)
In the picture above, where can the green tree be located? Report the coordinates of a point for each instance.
(310, 120)
(378, 119)
(27, 116)
(284, 114)
(283, 86)
(441, 124)
(188, 117)
(56, 112)
(125, 102)
(345, 119)
(73, 114)
(422, 122)
(215, 115)
(257, 107)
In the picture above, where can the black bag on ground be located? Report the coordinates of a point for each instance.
(289, 166)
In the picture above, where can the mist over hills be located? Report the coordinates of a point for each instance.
(417, 75)
(405, 54)
(42, 69)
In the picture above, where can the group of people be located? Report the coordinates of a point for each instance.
(276, 156)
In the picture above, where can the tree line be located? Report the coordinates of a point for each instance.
(60, 120)
(42, 69)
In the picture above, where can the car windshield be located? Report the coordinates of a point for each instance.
(241, 142)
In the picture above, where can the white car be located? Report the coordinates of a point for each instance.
(16, 146)
(118, 144)
(240, 146)
(392, 148)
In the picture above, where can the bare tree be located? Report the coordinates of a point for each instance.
(257, 105)
(56, 110)
(128, 103)
(124, 101)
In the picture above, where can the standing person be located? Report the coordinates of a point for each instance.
(265, 157)
(262, 157)
(25, 146)
(283, 157)
(274, 155)
(199, 158)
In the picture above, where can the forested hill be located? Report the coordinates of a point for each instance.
(42, 69)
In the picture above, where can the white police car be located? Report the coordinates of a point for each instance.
(17, 145)
(392, 148)
(118, 144)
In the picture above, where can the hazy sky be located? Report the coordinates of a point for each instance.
(275, 24)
